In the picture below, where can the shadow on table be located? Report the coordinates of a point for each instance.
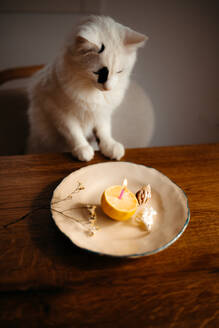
(54, 244)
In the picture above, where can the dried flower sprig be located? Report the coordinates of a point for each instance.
(67, 216)
(91, 222)
(92, 219)
(77, 189)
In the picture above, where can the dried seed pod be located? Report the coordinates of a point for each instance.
(143, 194)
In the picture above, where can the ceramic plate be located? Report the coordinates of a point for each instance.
(123, 239)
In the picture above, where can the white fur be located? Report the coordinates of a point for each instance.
(67, 104)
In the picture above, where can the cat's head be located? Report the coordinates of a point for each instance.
(105, 51)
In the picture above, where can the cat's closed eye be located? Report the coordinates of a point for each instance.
(101, 49)
(119, 71)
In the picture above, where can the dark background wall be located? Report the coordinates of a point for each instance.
(178, 67)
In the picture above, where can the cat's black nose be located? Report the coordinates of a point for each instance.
(102, 74)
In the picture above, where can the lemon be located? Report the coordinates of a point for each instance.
(118, 209)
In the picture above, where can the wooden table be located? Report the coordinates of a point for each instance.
(46, 281)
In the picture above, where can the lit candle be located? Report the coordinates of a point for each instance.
(116, 207)
(124, 185)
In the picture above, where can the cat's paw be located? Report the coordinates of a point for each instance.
(113, 149)
(84, 153)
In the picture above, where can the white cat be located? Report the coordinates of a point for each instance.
(74, 97)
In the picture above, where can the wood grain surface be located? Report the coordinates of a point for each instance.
(46, 281)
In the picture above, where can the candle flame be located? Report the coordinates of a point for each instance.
(125, 183)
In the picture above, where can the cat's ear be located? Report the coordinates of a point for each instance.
(134, 40)
(84, 47)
